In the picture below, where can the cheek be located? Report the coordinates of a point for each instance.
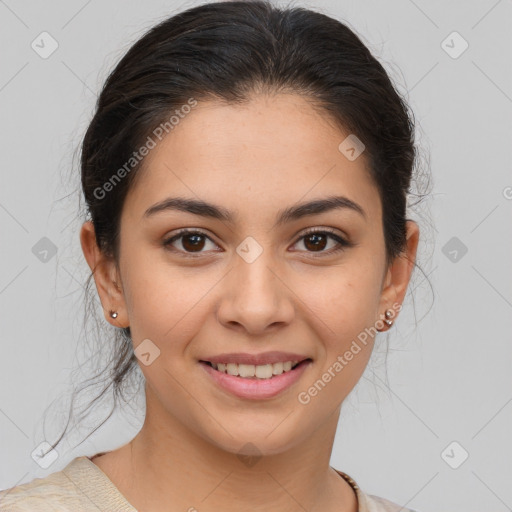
(343, 316)
(165, 305)
(169, 311)
(343, 308)
(345, 300)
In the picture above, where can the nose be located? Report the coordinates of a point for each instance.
(256, 297)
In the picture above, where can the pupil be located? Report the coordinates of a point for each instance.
(196, 244)
(319, 242)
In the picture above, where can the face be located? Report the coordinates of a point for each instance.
(256, 282)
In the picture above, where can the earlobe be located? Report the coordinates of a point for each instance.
(399, 273)
(386, 320)
(104, 272)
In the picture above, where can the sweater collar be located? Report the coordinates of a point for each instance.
(98, 487)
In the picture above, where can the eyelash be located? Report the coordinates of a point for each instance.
(342, 243)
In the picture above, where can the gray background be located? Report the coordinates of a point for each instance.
(448, 377)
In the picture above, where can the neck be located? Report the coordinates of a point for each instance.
(168, 464)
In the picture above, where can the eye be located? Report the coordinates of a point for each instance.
(316, 240)
(191, 241)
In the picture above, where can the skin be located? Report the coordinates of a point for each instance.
(255, 159)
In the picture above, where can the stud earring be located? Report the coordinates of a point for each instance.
(389, 322)
(113, 314)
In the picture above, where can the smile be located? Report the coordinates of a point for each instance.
(263, 371)
(255, 381)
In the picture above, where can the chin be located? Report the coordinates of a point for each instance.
(257, 442)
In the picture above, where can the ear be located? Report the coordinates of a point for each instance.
(106, 276)
(399, 272)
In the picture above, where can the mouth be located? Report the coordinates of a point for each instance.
(255, 382)
(256, 372)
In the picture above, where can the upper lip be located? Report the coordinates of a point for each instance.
(256, 359)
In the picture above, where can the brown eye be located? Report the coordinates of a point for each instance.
(318, 240)
(315, 241)
(191, 242)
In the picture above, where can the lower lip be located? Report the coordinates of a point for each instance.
(254, 388)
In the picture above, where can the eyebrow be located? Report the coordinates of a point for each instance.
(292, 213)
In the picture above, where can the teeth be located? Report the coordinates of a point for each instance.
(232, 368)
(246, 370)
(263, 371)
(277, 368)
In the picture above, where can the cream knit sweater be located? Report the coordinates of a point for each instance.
(83, 487)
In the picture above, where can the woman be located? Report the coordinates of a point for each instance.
(246, 174)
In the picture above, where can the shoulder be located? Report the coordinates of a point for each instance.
(79, 486)
(41, 494)
(369, 502)
(378, 504)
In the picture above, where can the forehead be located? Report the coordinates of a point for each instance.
(261, 156)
